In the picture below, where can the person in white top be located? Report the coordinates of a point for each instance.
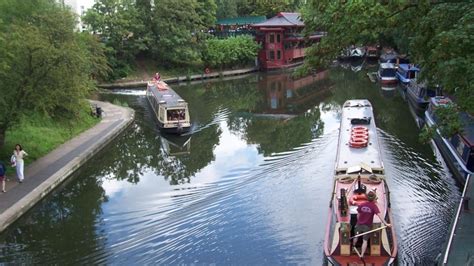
(19, 154)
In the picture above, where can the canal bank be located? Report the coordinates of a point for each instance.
(204, 76)
(46, 173)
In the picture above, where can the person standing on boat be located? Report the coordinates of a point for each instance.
(19, 154)
(157, 77)
(365, 217)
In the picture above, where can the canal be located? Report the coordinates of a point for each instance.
(250, 185)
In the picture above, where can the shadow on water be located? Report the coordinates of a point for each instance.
(250, 185)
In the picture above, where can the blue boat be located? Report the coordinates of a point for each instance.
(407, 73)
(458, 150)
(419, 94)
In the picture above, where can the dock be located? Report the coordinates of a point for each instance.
(180, 79)
(460, 246)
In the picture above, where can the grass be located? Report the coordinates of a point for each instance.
(39, 134)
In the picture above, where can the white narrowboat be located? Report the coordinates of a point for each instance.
(168, 107)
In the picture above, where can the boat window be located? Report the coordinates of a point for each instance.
(388, 72)
(411, 74)
(360, 121)
(176, 114)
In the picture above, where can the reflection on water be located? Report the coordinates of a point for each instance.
(249, 185)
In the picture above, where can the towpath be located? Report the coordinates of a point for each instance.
(46, 173)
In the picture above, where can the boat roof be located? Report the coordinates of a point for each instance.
(165, 95)
(408, 67)
(387, 65)
(369, 156)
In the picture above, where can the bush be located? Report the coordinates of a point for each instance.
(240, 50)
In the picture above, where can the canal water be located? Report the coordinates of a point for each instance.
(249, 185)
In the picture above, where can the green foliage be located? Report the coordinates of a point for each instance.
(437, 35)
(267, 8)
(40, 134)
(121, 29)
(234, 51)
(226, 9)
(426, 134)
(46, 67)
(180, 24)
(448, 120)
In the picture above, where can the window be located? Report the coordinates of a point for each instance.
(272, 38)
(272, 55)
(278, 38)
(278, 54)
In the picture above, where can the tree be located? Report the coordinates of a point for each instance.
(267, 8)
(226, 9)
(119, 27)
(179, 24)
(437, 35)
(46, 66)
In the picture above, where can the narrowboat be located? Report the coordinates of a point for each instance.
(388, 56)
(169, 108)
(457, 150)
(387, 73)
(407, 73)
(357, 51)
(359, 169)
(372, 52)
(419, 94)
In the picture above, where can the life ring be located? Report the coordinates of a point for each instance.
(360, 128)
(358, 143)
(358, 199)
(207, 70)
(359, 135)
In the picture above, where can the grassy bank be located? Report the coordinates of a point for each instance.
(40, 134)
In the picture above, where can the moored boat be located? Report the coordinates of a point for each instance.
(168, 107)
(359, 169)
(407, 73)
(419, 94)
(387, 73)
(372, 52)
(457, 150)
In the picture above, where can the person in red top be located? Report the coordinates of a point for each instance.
(365, 217)
(157, 77)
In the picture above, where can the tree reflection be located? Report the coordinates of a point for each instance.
(140, 150)
(56, 221)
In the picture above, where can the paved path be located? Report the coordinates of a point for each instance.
(462, 249)
(44, 174)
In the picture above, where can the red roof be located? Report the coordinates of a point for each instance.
(282, 19)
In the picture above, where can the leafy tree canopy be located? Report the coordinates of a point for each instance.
(46, 66)
(438, 35)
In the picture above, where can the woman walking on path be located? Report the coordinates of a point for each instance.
(19, 153)
(3, 171)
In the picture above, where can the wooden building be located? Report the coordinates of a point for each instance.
(282, 41)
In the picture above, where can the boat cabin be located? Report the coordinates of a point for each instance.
(387, 73)
(168, 107)
(407, 73)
